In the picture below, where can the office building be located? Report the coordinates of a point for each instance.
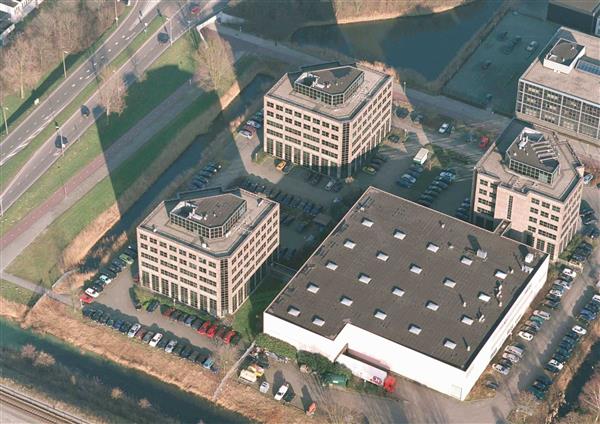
(580, 15)
(561, 88)
(18, 9)
(534, 180)
(208, 249)
(328, 117)
(411, 291)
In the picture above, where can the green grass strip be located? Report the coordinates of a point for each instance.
(18, 294)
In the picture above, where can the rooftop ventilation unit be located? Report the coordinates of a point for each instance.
(432, 305)
(415, 329)
(398, 291)
(399, 234)
(484, 297)
(367, 222)
(364, 278)
(433, 247)
(293, 311)
(318, 321)
(449, 344)
(466, 320)
(349, 244)
(482, 254)
(465, 260)
(346, 301)
(448, 282)
(529, 258)
(416, 269)
(331, 265)
(500, 274)
(379, 314)
(526, 269)
(313, 288)
(382, 256)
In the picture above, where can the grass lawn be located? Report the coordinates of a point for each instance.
(19, 108)
(248, 319)
(18, 294)
(10, 168)
(168, 73)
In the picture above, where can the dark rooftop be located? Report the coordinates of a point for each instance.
(391, 265)
(587, 6)
(211, 211)
(334, 80)
(564, 52)
(531, 147)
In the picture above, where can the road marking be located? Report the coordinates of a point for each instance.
(87, 77)
(81, 77)
(88, 70)
(123, 36)
(101, 57)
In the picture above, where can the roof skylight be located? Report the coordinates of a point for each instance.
(293, 311)
(318, 321)
(416, 269)
(399, 234)
(449, 344)
(484, 297)
(349, 244)
(500, 274)
(415, 329)
(432, 247)
(312, 287)
(346, 301)
(466, 320)
(398, 291)
(331, 265)
(379, 314)
(364, 278)
(466, 260)
(367, 222)
(449, 282)
(432, 305)
(382, 256)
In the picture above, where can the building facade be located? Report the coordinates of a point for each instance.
(18, 9)
(208, 249)
(559, 90)
(535, 182)
(328, 117)
(409, 290)
(581, 15)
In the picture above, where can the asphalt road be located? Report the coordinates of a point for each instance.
(76, 81)
(179, 22)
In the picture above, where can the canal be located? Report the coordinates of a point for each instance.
(425, 44)
(167, 399)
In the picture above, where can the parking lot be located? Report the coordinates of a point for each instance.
(502, 67)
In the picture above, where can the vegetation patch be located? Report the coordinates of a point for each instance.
(18, 294)
(277, 346)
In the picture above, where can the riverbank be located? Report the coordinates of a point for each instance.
(52, 318)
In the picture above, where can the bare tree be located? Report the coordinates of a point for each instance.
(116, 393)
(17, 65)
(44, 359)
(112, 92)
(216, 69)
(527, 410)
(28, 351)
(590, 397)
(144, 403)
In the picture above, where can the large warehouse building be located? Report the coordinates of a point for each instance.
(408, 290)
(559, 90)
(208, 249)
(328, 117)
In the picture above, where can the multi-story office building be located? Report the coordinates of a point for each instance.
(208, 249)
(534, 180)
(403, 288)
(560, 91)
(582, 15)
(328, 117)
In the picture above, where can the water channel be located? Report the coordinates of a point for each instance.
(170, 401)
(424, 43)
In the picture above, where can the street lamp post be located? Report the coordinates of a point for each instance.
(116, 15)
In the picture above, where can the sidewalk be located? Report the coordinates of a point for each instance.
(35, 288)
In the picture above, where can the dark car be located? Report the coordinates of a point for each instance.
(402, 112)
(114, 269)
(152, 305)
(118, 323)
(148, 336)
(182, 317)
(175, 315)
(190, 320)
(85, 111)
(426, 198)
(178, 349)
(108, 273)
(193, 356)
(540, 395)
(551, 304)
(424, 203)
(104, 319)
(440, 183)
(201, 358)
(87, 312)
(186, 351)
(162, 343)
(125, 327)
(119, 262)
(163, 37)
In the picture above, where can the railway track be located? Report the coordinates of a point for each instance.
(38, 411)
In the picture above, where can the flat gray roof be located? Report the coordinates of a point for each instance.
(577, 83)
(215, 210)
(333, 80)
(365, 261)
(494, 164)
(257, 208)
(373, 80)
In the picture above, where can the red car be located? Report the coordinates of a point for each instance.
(85, 298)
(210, 333)
(221, 332)
(229, 336)
(204, 327)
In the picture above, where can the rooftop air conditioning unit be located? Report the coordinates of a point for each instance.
(481, 254)
(529, 258)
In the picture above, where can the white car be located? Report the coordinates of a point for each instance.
(91, 292)
(448, 175)
(542, 314)
(579, 330)
(554, 363)
(569, 272)
(587, 177)
(133, 330)
(409, 178)
(253, 124)
(531, 46)
(264, 387)
(444, 128)
(170, 346)
(105, 278)
(525, 335)
(556, 293)
(511, 357)
(155, 339)
(502, 370)
(282, 391)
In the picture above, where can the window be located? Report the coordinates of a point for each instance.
(546, 205)
(535, 201)
(533, 210)
(483, 183)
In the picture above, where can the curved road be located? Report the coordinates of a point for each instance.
(179, 22)
(76, 81)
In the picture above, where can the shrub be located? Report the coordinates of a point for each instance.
(321, 365)
(44, 359)
(274, 345)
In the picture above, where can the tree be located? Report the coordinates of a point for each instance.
(144, 403)
(216, 69)
(28, 351)
(527, 410)
(116, 393)
(590, 397)
(44, 359)
(112, 92)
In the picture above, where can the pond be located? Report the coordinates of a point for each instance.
(170, 401)
(425, 43)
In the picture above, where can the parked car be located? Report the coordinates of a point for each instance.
(92, 292)
(282, 391)
(105, 278)
(369, 170)
(148, 336)
(409, 178)
(170, 346)
(542, 314)
(189, 320)
(531, 46)
(444, 128)
(133, 330)
(204, 327)
(210, 333)
(264, 387)
(511, 357)
(245, 133)
(155, 339)
(152, 305)
(569, 272)
(525, 335)
(501, 369)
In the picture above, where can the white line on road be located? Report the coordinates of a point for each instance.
(81, 77)
(87, 77)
